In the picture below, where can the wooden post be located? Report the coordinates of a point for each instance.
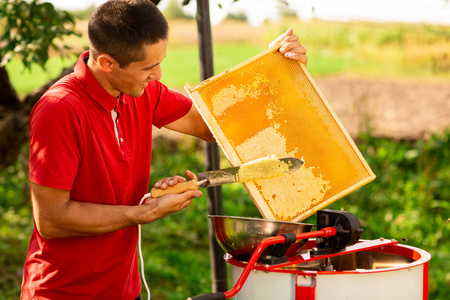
(214, 196)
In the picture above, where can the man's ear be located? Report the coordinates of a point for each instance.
(106, 62)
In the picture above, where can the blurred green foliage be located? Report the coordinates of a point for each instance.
(174, 11)
(15, 225)
(31, 29)
(410, 199)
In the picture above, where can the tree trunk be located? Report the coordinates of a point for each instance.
(8, 93)
(14, 117)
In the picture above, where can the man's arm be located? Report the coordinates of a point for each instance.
(57, 216)
(192, 124)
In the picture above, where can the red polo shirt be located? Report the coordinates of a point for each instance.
(73, 146)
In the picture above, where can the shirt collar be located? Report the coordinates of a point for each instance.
(93, 87)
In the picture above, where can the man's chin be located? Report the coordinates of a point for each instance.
(137, 92)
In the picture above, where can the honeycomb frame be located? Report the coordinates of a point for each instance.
(270, 105)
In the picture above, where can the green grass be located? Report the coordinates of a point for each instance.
(181, 65)
(25, 81)
(375, 50)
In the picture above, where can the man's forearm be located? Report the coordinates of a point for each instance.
(83, 219)
(57, 216)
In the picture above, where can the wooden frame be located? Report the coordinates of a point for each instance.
(319, 175)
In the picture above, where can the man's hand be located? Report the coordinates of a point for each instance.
(156, 208)
(290, 46)
(57, 216)
(171, 181)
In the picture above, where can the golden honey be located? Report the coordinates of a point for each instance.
(269, 105)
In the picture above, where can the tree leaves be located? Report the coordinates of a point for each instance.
(32, 29)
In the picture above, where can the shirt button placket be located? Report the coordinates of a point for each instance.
(118, 130)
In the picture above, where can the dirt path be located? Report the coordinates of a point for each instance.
(399, 109)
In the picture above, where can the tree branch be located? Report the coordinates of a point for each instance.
(15, 119)
(8, 95)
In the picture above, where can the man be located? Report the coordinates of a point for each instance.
(90, 156)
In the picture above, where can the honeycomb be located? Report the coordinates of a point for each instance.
(263, 168)
(269, 105)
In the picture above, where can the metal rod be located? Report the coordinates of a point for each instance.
(214, 194)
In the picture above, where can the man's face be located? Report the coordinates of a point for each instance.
(133, 79)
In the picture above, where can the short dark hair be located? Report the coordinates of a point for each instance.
(121, 28)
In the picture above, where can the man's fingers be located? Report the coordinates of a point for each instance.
(279, 39)
(290, 39)
(293, 47)
(183, 200)
(190, 175)
(296, 56)
(170, 181)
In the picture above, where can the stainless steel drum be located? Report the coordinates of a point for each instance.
(239, 236)
(373, 269)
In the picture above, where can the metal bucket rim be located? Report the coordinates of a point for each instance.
(257, 219)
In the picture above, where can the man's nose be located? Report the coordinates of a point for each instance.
(156, 74)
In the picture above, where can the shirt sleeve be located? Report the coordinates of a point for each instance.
(55, 150)
(170, 105)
